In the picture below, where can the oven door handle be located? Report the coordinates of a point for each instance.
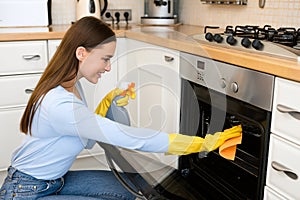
(279, 167)
(284, 109)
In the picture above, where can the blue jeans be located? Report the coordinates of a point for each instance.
(85, 185)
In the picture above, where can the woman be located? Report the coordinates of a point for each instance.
(58, 125)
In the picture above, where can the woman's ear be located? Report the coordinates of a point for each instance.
(80, 53)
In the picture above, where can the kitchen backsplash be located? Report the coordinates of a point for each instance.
(276, 12)
(64, 11)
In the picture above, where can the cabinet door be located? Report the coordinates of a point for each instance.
(10, 134)
(52, 46)
(272, 195)
(23, 57)
(283, 171)
(286, 110)
(155, 70)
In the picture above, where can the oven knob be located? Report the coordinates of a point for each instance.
(223, 83)
(246, 42)
(234, 87)
(209, 37)
(257, 44)
(218, 38)
(231, 40)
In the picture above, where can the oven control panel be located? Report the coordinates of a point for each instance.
(250, 86)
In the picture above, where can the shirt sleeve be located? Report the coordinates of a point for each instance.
(70, 116)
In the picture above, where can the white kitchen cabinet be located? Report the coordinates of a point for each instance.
(20, 69)
(283, 168)
(52, 46)
(286, 110)
(23, 57)
(16, 91)
(11, 137)
(155, 71)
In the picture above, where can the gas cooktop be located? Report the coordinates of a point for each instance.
(283, 42)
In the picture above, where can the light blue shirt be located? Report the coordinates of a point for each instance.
(63, 126)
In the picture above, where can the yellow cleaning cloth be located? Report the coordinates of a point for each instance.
(228, 148)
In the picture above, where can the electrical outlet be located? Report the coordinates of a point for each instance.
(113, 13)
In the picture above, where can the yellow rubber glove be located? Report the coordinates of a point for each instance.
(104, 105)
(182, 144)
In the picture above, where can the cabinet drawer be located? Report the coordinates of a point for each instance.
(284, 155)
(135, 54)
(16, 90)
(25, 56)
(157, 56)
(286, 110)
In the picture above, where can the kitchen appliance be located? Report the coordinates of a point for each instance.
(160, 12)
(283, 42)
(23, 13)
(94, 8)
(226, 95)
(214, 96)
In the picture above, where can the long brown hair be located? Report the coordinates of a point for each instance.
(87, 32)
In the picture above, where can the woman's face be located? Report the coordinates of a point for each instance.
(94, 63)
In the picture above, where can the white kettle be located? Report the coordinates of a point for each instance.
(90, 8)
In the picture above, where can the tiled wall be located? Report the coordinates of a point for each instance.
(276, 12)
(64, 11)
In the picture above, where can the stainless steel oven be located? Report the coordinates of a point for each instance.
(216, 96)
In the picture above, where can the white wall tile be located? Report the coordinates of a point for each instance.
(276, 12)
(64, 11)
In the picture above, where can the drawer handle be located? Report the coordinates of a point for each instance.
(31, 57)
(29, 91)
(284, 109)
(287, 171)
(169, 58)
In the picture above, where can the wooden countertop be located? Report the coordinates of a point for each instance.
(176, 37)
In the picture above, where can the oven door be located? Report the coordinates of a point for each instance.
(206, 111)
(142, 173)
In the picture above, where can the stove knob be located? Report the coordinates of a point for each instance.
(257, 44)
(234, 87)
(218, 38)
(209, 37)
(231, 40)
(246, 42)
(222, 83)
